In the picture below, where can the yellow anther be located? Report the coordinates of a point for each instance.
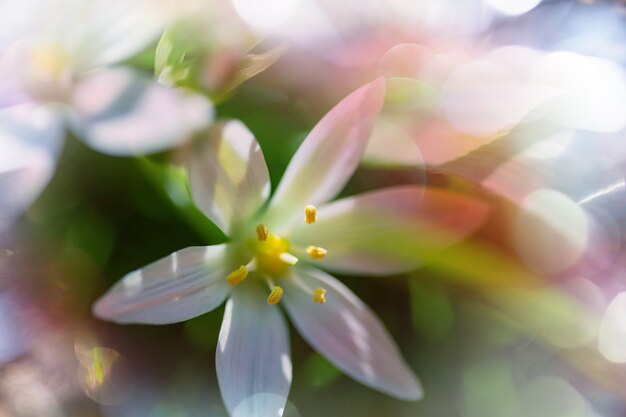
(261, 232)
(288, 258)
(319, 295)
(310, 214)
(316, 252)
(237, 276)
(275, 296)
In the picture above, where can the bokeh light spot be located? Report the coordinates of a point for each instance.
(612, 334)
(550, 232)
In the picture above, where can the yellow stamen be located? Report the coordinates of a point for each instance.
(310, 214)
(319, 295)
(237, 276)
(275, 296)
(261, 232)
(316, 252)
(288, 258)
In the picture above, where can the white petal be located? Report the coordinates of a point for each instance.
(390, 230)
(121, 29)
(120, 112)
(330, 153)
(30, 140)
(229, 178)
(612, 335)
(98, 32)
(253, 359)
(179, 287)
(346, 332)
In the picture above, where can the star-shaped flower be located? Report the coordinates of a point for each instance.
(283, 245)
(60, 66)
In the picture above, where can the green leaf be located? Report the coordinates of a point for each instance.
(431, 310)
(172, 183)
(318, 371)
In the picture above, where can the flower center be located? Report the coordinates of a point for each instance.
(48, 72)
(50, 59)
(272, 259)
(272, 256)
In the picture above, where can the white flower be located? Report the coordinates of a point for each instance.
(281, 245)
(55, 69)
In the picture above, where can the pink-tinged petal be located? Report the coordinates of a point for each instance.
(440, 142)
(253, 359)
(179, 287)
(330, 153)
(391, 145)
(612, 333)
(121, 112)
(30, 140)
(390, 230)
(404, 60)
(347, 333)
(229, 178)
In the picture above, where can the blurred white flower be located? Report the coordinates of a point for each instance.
(53, 59)
(280, 244)
(467, 100)
(310, 21)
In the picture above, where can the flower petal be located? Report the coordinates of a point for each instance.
(120, 29)
(253, 359)
(30, 140)
(120, 112)
(346, 332)
(390, 230)
(181, 286)
(229, 178)
(330, 153)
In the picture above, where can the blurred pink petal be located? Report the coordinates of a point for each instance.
(386, 231)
